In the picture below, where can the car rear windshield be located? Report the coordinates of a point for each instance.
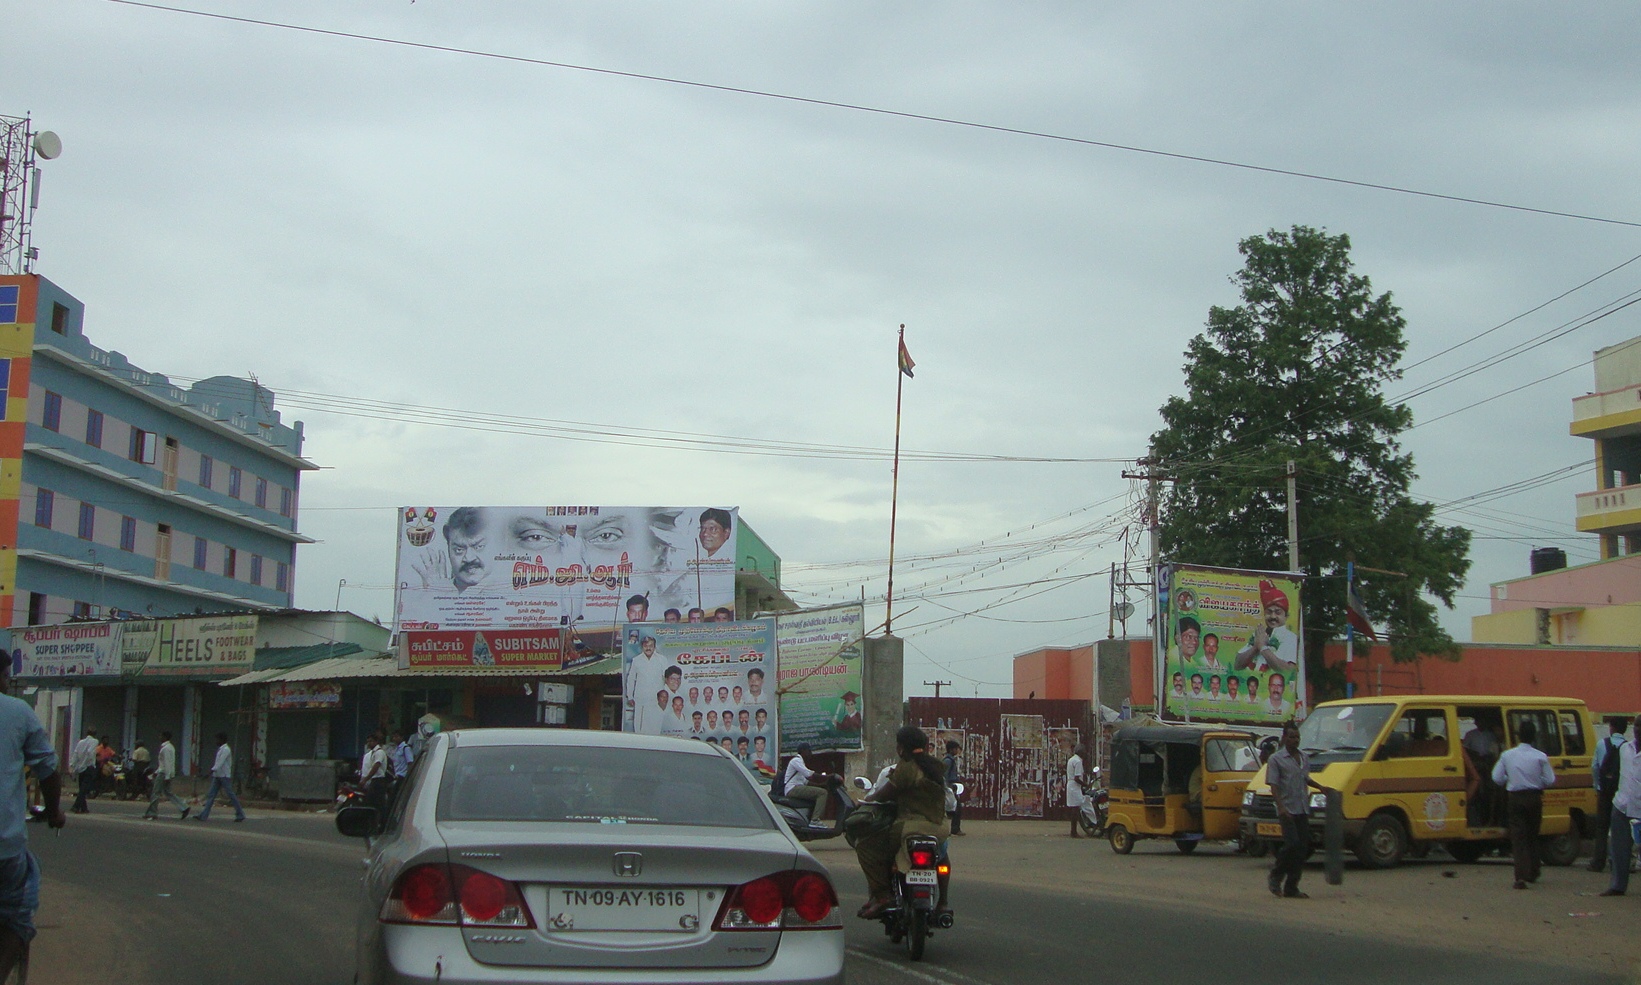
(593, 785)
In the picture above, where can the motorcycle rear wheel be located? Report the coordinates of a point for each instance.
(917, 931)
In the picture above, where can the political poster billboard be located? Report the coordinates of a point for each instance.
(585, 568)
(706, 681)
(819, 656)
(1233, 645)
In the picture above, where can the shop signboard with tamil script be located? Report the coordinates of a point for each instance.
(193, 647)
(498, 649)
(488, 567)
(819, 656)
(90, 649)
(1233, 646)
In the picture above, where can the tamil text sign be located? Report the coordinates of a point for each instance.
(1233, 646)
(818, 653)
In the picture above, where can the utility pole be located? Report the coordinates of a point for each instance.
(1153, 524)
(937, 685)
(1293, 517)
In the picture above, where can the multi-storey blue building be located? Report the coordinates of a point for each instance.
(136, 496)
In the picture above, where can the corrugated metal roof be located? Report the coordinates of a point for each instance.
(288, 657)
(355, 667)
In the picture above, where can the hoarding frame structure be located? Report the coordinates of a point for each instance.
(1234, 606)
(819, 655)
(719, 655)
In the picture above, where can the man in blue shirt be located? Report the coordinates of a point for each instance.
(23, 743)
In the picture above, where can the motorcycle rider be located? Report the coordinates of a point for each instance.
(917, 788)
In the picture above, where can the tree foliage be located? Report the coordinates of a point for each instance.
(1296, 371)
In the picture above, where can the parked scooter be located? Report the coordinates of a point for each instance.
(1096, 809)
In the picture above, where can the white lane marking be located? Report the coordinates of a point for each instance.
(912, 971)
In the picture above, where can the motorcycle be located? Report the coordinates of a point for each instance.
(1096, 809)
(350, 795)
(918, 906)
(808, 828)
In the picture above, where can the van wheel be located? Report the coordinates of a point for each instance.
(1257, 848)
(1466, 852)
(1561, 849)
(1185, 845)
(1122, 842)
(1382, 843)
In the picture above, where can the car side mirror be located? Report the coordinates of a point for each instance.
(356, 822)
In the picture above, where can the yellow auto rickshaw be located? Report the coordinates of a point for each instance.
(1183, 782)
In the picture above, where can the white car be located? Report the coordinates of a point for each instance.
(555, 855)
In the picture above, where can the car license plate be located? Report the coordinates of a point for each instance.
(1272, 830)
(598, 908)
(922, 877)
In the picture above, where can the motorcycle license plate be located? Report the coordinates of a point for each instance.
(1271, 830)
(922, 877)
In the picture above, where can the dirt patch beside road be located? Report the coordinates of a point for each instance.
(1435, 902)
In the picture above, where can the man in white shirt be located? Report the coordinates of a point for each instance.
(1074, 788)
(165, 770)
(643, 679)
(1273, 645)
(1525, 773)
(1626, 807)
(82, 762)
(798, 787)
(222, 781)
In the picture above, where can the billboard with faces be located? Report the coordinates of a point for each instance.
(1234, 648)
(583, 568)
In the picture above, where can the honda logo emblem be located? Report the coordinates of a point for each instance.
(628, 863)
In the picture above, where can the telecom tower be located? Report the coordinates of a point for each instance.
(21, 147)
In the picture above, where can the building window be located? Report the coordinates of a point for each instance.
(94, 428)
(205, 465)
(256, 569)
(88, 521)
(230, 563)
(42, 508)
(52, 418)
(235, 478)
(285, 498)
(8, 304)
(142, 446)
(82, 610)
(36, 609)
(262, 493)
(59, 318)
(282, 576)
(5, 388)
(128, 534)
(199, 553)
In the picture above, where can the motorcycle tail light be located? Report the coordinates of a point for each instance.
(944, 869)
(922, 858)
(783, 901)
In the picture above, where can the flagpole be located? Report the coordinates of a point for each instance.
(1350, 629)
(894, 488)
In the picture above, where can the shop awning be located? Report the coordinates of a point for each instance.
(353, 668)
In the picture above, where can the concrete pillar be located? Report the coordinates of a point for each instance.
(192, 716)
(884, 680)
(128, 725)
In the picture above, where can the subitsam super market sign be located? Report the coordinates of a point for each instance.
(521, 649)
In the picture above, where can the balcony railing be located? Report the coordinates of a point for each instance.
(1596, 405)
(1603, 503)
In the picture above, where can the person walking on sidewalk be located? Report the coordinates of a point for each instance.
(165, 770)
(1074, 788)
(82, 762)
(1626, 808)
(23, 745)
(1289, 773)
(1524, 772)
(222, 781)
(1606, 766)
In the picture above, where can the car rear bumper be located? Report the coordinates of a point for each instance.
(811, 956)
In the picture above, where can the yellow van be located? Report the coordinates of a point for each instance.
(1416, 770)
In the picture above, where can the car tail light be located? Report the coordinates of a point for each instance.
(447, 895)
(922, 858)
(783, 901)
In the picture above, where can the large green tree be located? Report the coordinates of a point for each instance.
(1296, 371)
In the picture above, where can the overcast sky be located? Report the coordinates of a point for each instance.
(349, 219)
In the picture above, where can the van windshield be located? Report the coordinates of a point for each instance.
(1342, 733)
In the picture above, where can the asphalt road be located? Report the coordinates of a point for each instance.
(270, 900)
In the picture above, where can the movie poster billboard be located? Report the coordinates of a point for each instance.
(590, 568)
(708, 681)
(819, 653)
(1233, 646)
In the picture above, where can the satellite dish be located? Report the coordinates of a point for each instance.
(47, 145)
(1123, 610)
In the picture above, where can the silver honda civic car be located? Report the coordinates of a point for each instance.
(553, 855)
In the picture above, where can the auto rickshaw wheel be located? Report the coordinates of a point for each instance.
(1382, 843)
(1185, 845)
(1122, 840)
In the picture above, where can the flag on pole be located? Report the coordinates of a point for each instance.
(906, 363)
(1356, 614)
